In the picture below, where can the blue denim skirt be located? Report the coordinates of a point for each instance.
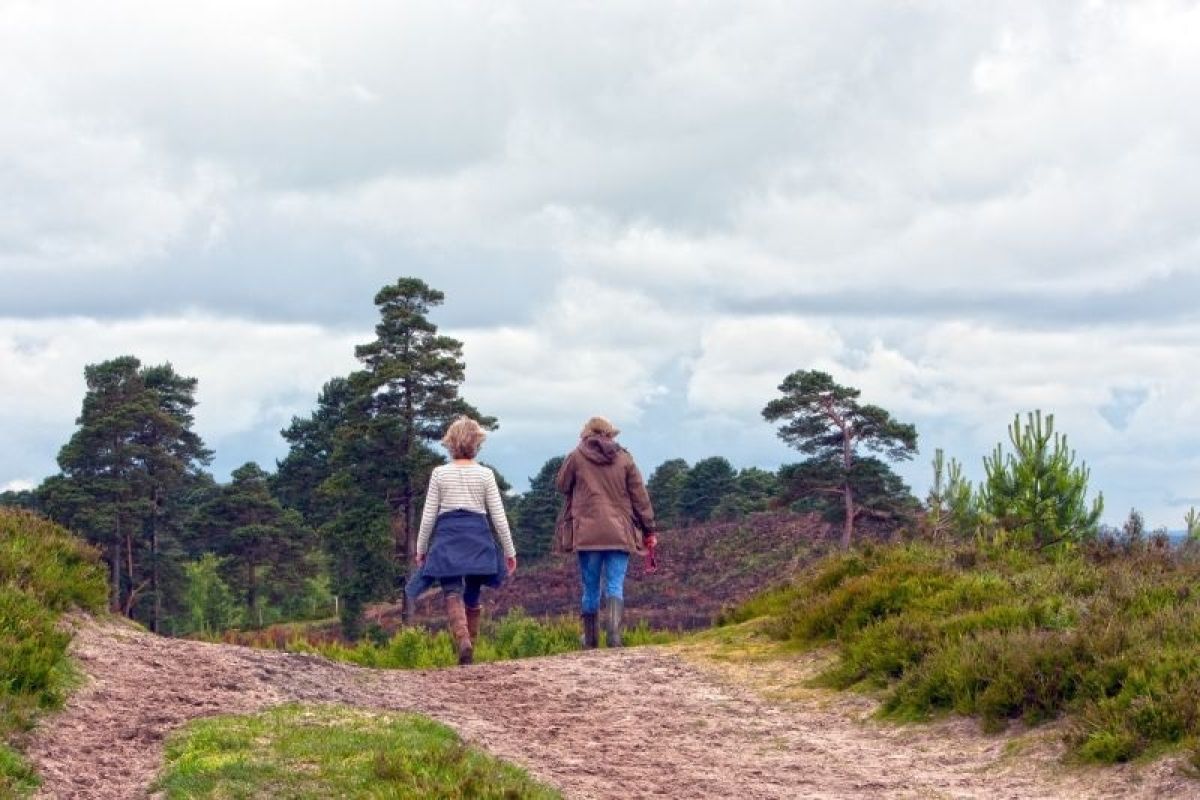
(462, 544)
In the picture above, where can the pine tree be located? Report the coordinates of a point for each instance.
(951, 506)
(706, 483)
(666, 488)
(753, 490)
(359, 466)
(404, 398)
(339, 475)
(262, 545)
(826, 421)
(21, 498)
(311, 442)
(1036, 492)
(937, 517)
(538, 511)
(122, 470)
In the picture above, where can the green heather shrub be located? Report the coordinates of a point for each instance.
(1007, 634)
(44, 570)
(45, 561)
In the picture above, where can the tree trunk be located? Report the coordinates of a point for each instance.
(132, 580)
(114, 568)
(848, 529)
(410, 527)
(155, 586)
(401, 552)
(156, 620)
(252, 589)
(408, 537)
(847, 493)
(406, 493)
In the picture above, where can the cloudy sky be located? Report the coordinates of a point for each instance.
(650, 210)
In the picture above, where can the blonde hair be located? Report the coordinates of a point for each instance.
(464, 437)
(598, 426)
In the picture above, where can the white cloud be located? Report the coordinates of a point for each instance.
(81, 194)
(743, 361)
(252, 376)
(594, 349)
(962, 383)
(607, 192)
(754, 153)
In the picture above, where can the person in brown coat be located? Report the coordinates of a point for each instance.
(607, 516)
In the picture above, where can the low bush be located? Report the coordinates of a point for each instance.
(44, 570)
(1007, 634)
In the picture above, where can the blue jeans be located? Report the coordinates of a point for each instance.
(469, 586)
(614, 563)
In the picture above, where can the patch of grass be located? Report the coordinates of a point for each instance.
(771, 603)
(743, 642)
(44, 571)
(331, 751)
(515, 635)
(1007, 634)
(746, 656)
(17, 778)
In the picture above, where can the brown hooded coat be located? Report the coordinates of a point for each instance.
(607, 505)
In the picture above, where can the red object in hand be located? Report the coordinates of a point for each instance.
(651, 554)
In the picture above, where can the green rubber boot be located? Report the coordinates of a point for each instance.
(612, 621)
(591, 637)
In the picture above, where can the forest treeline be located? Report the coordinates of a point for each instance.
(337, 517)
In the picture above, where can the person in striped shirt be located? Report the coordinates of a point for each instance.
(455, 544)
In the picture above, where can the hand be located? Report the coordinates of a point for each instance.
(420, 559)
(651, 540)
(511, 563)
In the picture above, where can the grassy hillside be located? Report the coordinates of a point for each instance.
(1110, 638)
(44, 571)
(702, 569)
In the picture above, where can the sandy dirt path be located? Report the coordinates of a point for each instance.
(636, 723)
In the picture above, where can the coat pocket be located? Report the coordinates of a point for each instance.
(564, 530)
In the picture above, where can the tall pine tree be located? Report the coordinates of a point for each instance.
(826, 421)
(123, 471)
(538, 512)
(361, 463)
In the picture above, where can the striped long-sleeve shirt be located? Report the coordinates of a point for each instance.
(471, 487)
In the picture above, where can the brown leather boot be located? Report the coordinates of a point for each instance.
(456, 617)
(473, 622)
(591, 637)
